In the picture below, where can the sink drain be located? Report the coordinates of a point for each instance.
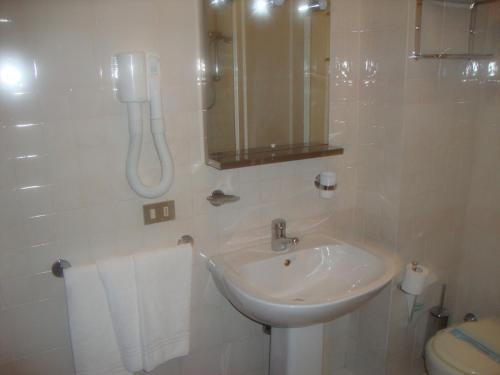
(287, 262)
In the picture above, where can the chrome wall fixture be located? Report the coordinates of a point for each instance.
(320, 186)
(60, 265)
(218, 198)
(218, 3)
(275, 3)
(316, 5)
(470, 317)
(469, 55)
(186, 239)
(262, 7)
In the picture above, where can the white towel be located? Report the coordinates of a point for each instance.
(150, 296)
(164, 296)
(95, 350)
(118, 277)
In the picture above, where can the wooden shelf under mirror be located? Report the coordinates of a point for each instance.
(268, 155)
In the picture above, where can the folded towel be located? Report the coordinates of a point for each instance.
(149, 296)
(95, 349)
(117, 275)
(164, 295)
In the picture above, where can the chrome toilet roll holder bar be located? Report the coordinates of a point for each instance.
(61, 264)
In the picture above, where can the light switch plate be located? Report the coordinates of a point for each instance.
(158, 212)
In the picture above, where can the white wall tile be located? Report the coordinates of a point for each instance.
(390, 192)
(37, 327)
(55, 361)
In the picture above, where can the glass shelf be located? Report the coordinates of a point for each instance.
(468, 55)
(456, 56)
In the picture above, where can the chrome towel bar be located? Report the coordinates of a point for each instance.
(60, 264)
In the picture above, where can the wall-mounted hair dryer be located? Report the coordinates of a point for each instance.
(137, 78)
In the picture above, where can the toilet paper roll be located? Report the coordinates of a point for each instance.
(415, 278)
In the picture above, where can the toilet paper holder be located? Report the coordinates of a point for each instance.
(413, 305)
(415, 281)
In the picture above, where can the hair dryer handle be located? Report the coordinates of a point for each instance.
(154, 83)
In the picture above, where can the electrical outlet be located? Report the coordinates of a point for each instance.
(158, 212)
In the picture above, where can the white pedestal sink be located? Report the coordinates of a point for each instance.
(297, 351)
(296, 291)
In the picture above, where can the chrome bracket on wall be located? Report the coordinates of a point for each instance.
(218, 198)
(59, 266)
(186, 239)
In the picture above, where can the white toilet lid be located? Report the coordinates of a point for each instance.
(464, 356)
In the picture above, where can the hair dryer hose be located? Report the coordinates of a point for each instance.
(134, 152)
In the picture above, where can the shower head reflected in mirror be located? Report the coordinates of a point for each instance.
(315, 5)
(218, 3)
(262, 7)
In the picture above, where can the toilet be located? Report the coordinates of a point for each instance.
(447, 354)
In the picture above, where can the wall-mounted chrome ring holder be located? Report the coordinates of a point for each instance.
(318, 185)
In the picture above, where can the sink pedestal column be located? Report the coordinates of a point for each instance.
(297, 351)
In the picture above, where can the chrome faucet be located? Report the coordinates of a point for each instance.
(279, 240)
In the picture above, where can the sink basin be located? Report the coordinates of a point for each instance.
(315, 282)
(296, 291)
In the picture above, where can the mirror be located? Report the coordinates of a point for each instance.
(266, 80)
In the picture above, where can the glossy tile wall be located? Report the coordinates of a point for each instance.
(369, 52)
(443, 108)
(413, 125)
(408, 128)
(63, 142)
(479, 280)
(478, 290)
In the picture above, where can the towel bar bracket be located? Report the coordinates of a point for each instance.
(59, 266)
